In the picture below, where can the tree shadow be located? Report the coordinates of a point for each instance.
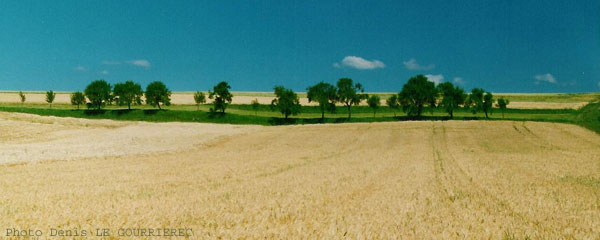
(94, 112)
(120, 112)
(151, 111)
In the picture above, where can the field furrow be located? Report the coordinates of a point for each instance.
(410, 180)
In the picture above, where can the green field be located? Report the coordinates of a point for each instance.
(589, 116)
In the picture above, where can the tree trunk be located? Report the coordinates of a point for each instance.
(158, 104)
(451, 114)
(349, 111)
(486, 116)
(322, 114)
(129, 106)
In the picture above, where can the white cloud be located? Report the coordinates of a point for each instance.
(104, 72)
(459, 81)
(80, 69)
(336, 65)
(544, 78)
(360, 63)
(111, 62)
(437, 79)
(413, 65)
(140, 63)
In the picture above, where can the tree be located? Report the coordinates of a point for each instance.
(77, 98)
(98, 92)
(22, 96)
(417, 92)
(452, 97)
(50, 95)
(324, 94)
(502, 102)
(480, 101)
(286, 101)
(221, 95)
(374, 102)
(348, 93)
(199, 98)
(255, 105)
(157, 93)
(128, 93)
(392, 102)
(488, 101)
(475, 100)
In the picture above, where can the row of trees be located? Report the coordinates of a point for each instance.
(100, 93)
(419, 92)
(415, 95)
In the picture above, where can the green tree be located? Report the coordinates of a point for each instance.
(199, 98)
(98, 92)
(392, 103)
(417, 92)
(374, 102)
(255, 105)
(22, 96)
(286, 101)
(157, 93)
(452, 97)
(488, 102)
(349, 93)
(128, 93)
(480, 101)
(77, 98)
(475, 100)
(502, 102)
(325, 94)
(222, 96)
(50, 95)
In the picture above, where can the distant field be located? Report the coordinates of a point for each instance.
(518, 100)
(414, 180)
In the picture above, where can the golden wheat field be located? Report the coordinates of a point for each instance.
(403, 180)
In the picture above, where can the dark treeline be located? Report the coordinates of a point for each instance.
(417, 95)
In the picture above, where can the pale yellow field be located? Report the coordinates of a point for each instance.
(407, 180)
(246, 98)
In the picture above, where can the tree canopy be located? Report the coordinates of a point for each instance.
(452, 97)
(98, 92)
(286, 101)
(77, 98)
(480, 101)
(325, 94)
(349, 93)
(417, 92)
(392, 102)
(50, 95)
(22, 96)
(222, 96)
(374, 102)
(199, 98)
(157, 93)
(128, 93)
(501, 103)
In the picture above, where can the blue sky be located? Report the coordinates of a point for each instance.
(501, 46)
